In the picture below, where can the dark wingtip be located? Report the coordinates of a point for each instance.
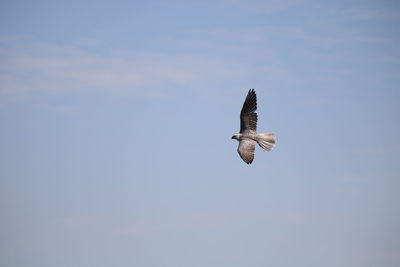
(252, 92)
(250, 103)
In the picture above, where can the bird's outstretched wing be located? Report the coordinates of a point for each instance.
(246, 150)
(248, 117)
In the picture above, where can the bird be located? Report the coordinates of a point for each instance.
(248, 136)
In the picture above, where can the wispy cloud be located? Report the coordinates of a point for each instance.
(265, 6)
(369, 13)
(196, 57)
(29, 66)
(38, 66)
(390, 149)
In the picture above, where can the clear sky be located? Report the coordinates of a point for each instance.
(116, 120)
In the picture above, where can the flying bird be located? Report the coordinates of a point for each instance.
(248, 136)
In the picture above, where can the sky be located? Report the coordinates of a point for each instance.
(116, 120)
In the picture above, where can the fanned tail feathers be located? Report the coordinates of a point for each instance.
(267, 141)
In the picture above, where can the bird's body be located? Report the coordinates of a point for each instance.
(248, 136)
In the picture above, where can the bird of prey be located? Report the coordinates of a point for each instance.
(248, 136)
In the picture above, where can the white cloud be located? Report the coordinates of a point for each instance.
(31, 67)
(50, 67)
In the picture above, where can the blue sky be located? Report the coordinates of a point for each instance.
(116, 122)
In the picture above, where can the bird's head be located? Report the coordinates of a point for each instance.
(236, 136)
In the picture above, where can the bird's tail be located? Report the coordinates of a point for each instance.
(267, 140)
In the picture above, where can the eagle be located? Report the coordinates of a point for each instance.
(248, 136)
